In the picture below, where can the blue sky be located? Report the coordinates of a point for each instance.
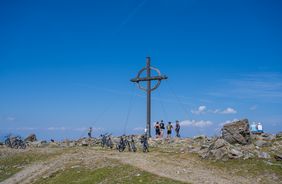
(66, 65)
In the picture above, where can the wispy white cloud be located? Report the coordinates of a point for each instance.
(195, 123)
(229, 110)
(201, 110)
(11, 118)
(138, 129)
(26, 128)
(220, 125)
(253, 108)
(57, 128)
(79, 129)
(226, 122)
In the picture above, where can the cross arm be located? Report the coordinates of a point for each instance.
(137, 79)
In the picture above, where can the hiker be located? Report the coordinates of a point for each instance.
(146, 132)
(90, 132)
(259, 128)
(158, 130)
(177, 129)
(169, 128)
(254, 129)
(162, 126)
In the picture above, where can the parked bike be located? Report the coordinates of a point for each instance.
(106, 141)
(15, 142)
(131, 144)
(8, 142)
(128, 142)
(122, 144)
(145, 144)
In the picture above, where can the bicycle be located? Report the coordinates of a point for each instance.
(106, 141)
(15, 142)
(122, 144)
(132, 145)
(145, 144)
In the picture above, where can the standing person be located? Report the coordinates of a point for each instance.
(90, 132)
(177, 129)
(162, 125)
(158, 130)
(169, 128)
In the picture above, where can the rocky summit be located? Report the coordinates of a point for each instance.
(236, 142)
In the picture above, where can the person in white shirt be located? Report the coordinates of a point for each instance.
(259, 127)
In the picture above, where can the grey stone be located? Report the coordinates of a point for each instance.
(264, 155)
(219, 143)
(38, 144)
(234, 154)
(195, 150)
(248, 155)
(261, 143)
(199, 137)
(84, 143)
(268, 137)
(72, 144)
(237, 132)
(278, 157)
(31, 138)
(279, 135)
(220, 154)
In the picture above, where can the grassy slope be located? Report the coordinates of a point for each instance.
(255, 168)
(124, 174)
(17, 161)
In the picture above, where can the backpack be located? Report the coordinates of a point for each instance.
(169, 127)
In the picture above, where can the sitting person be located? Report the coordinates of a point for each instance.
(259, 127)
(254, 129)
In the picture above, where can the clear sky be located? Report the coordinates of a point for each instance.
(66, 65)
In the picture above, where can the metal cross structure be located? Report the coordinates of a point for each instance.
(149, 88)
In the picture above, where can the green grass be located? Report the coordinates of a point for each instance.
(123, 174)
(17, 161)
(252, 168)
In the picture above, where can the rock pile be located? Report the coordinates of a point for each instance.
(237, 142)
(220, 150)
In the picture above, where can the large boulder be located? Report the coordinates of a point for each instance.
(31, 138)
(237, 132)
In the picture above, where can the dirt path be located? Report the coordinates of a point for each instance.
(187, 170)
(40, 169)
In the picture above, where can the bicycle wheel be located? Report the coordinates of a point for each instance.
(23, 145)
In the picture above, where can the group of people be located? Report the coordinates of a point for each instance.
(160, 129)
